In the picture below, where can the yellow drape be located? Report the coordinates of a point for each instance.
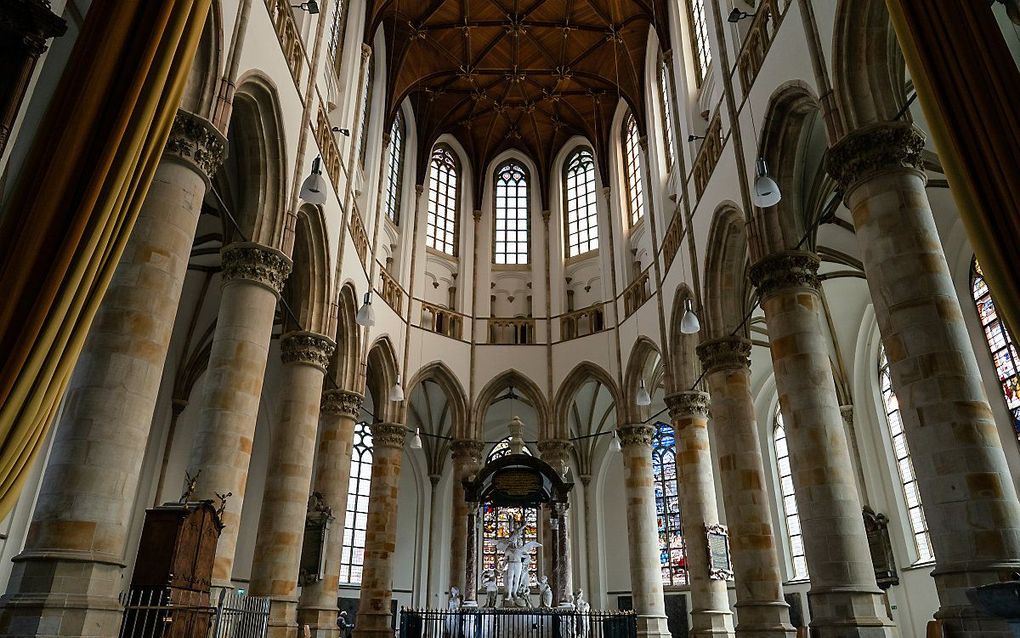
(66, 224)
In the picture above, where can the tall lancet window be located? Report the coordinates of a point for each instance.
(699, 39)
(441, 222)
(395, 169)
(352, 556)
(632, 161)
(672, 551)
(510, 232)
(582, 206)
(794, 533)
(904, 466)
(666, 91)
(1000, 344)
(498, 522)
(334, 44)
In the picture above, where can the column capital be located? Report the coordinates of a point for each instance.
(726, 353)
(338, 402)
(195, 141)
(873, 150)
(785, 270)
(307, 348)
(687, 404)
(467, 451)
(258, 264)
(554, 449)
(633, 435)
(388, 435)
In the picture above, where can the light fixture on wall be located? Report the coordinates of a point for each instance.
(313, 189)
(416, 440)
(366, 314)
(397, 391)
(737, 15)
(312, 7)
(692, 137)
(642, 398)
(689, 323)
(346, 132)
(766, 190)
(614, 445)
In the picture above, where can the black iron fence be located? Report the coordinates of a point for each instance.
(516, 623)
(173, 613)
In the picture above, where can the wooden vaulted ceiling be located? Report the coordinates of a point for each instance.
(516, 74)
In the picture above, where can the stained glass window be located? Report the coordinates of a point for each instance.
(666, 92)
(395, 170)
(794, 533)
(510, 233)
(336, 33)
(441, 225)
(904, 466)
(498, 522)
(632, 158)
(672, 551)
(1000, 344)
(582, 207)
(699, 36)
(352, 556)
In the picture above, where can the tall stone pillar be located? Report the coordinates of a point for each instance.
(69, 575)
(845, 599)
(710, 602)
(253, 276)
(467, 460)
(470, 590)
(374, 614)
(274, 573)
(556, 452)
(967, 492)
(643, 531)
(761, 609)
(317, 607)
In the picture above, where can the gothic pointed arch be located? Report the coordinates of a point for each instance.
(644, 364)
(343, 369)
(380, 375)
(683, 358)
(439, 374)
(528, 390)
(583, 373)
(307, 289)
(726, 284)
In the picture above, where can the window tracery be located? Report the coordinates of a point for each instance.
(1000, 343)
(699, 39)
(672, 550)
(334, 44)
(395, 169)
(352, 556)
(632, 159)
(582, 206)
(794, 533)
(441, 221)
(511, 230)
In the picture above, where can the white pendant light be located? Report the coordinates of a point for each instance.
(313, 189)
(689, 323)
(397, 391)
(766, 191)
(416, 441)
(366, 314)
(614, 445)
(643, 398)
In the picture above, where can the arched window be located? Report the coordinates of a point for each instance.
(794, 534)
(336, 35)
(395, 170)
(699, 39)
(352, 556)
(498, 522)
(366, 109)
(666, 92)
(582, 206)
(904, 466)
(672, 551)
(1000, 344)
(441, 223)
(632, 158)
(510, 233)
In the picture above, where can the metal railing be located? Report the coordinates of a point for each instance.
(516, 623)
(164, 612)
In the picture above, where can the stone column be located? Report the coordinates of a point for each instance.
(317, 607)
(69, 575)
(761, 608)
(253, 276)
(970, 503)
(374, 616)
(643, 531)
(281, 528)
(470, 590)
(467, 459)
(845, 600)
(562, 581)
(710, 602)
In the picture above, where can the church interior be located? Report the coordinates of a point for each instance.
(522, 318)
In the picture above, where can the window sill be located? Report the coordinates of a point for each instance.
(511, 267)
(926, 564)
(582, 257)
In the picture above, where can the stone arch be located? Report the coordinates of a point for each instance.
(440, 374)
(380, 375)
(307, 289)
(645, 362)
(683, 359)
(869, 71)
(344, 367)
(582, 373)
(199, 96)
(726, 283)
(529, 389)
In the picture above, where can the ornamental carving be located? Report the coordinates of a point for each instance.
(467, 453)
(388, 435)
(341, 403)
(727, 353)
(194, 140)
(786, 270)
(872, 150)
(258, 264)
(636, 435)
(307, 348)
(683, 405)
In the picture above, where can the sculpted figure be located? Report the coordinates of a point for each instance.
(545, 591)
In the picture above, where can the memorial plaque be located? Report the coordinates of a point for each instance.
(719, 567)
(517, 486)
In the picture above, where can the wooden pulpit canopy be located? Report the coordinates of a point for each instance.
(517, 479)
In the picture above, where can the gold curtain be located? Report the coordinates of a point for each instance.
(65, 225)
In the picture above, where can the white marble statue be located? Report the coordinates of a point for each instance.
(581, 607)
(491, 586)
(517, 554)
(454, 602)
(545, 591)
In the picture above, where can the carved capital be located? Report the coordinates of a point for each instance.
(786, 270)
(873, 150)
(687, 404)
(366, 52)
(466, 453)
(388, 435)
(631, 435)
(195, 141)
(307, 348)
(28, 24)
(727, 353)
(554, 451)
(256, 263)
(341, 403)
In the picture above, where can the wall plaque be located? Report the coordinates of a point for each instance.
(515, 485)
(719, 567)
